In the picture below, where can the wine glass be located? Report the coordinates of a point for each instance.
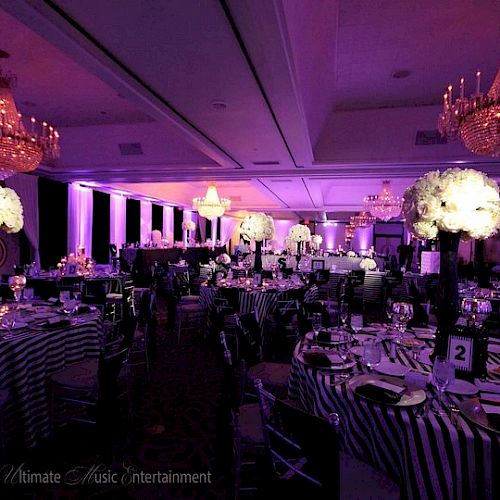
(77, 298)
(356, 322)
(344, 313)
(372, 354)
(389, 313)
(316, 323)
(17, 284)
(8, 322)
(441, 376)
(403, 312)
(64, 296)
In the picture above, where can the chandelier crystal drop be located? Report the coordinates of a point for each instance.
(22, 148)
(385, 205)
(475, 119)
(211, 206)
(363, 219)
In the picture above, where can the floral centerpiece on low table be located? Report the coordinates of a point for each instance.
(300, 234)
(257, 227)
(316, 240)
(223, 262)
(350, 253)
(368, 264)
(455, 204)
(11, 211)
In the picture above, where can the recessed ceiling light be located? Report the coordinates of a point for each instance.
(219, 105)
(401, 73)
(4, 54)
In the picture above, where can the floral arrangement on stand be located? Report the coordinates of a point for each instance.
(455, 204)
(223, 261)
(368, 264)
(299, 234)
(350, 253)
(316, 240)
(257, 227)
(188, 225)
(11, 211)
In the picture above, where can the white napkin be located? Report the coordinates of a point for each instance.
(388, 386)
(495, 348)
(490, 408)
(487, 386)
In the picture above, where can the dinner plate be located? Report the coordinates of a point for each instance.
(462, 387)
(371, 330)
(478, 410)
(336, 339)
(345, 366)
(389, 368)
(362, 338)
(411, 397)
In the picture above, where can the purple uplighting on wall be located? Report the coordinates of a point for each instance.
(80, 208)
(146, 221)
(118, 214)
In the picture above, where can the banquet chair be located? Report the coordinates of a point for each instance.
(304, 455)
(189, 316)
(305, 315)
(246, 430)
(287, 327)
(374, 296)
(249, 340)
(91, 385)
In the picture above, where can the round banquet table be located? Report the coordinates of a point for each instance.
(262, 302)
(428, 456)
(29, 358)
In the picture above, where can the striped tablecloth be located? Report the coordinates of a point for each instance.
(429, 456)
(263, 303)
(26, 362)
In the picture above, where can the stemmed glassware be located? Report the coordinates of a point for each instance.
(8, 322)
(17, 284)
(247, 264)
(403, 312)
(344, 313)
(389, 313)
(316, 324)
(77, 297)
(441, 376)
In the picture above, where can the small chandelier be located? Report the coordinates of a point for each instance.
(211, 206)
(21, 149)
(476, 119)
(363, 219)
(350, 229)
(384, 206)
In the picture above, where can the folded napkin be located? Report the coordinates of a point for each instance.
(322, 359)
(57, 322)
(377, 393)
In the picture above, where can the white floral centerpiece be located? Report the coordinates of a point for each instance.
(188, 225)
(223, 259)
(350, 253)
(257, 227)
(368, 264)
(456, 201)
(299, 233)
(11, 211)
(316, 240)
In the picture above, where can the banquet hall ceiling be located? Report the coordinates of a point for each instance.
(295, 101)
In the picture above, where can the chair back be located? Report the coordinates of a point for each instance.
(300, 444)
(110, 367)
(249, 337)
(373, 287)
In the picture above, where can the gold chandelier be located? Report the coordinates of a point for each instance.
(211, 206)
(476, 119)
(21, 149)
(385, 205)
(363, 219)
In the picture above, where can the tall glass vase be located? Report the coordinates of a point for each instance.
(258, 257)
(448, 306)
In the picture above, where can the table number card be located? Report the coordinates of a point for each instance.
(468, 351)
(460, 352)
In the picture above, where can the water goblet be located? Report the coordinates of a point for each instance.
(17, 284)
(356, 322)
(441, 376)
(389, 313)
(372, 354)
(344, 313)
(8, 322)
(403, 312)
(316, 324)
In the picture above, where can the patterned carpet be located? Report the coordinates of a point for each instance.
(174, 427)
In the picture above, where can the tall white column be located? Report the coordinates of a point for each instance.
(146, 221)
(168, 224)
(118, 220)
(80, 207)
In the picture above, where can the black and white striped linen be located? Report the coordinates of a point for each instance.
(26, 362)
(429, 456)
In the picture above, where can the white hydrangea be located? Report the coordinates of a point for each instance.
(368, 264)
(11, 211)
(223, 259)
(258, 227)
(299, 232)
(188, 225)
(462, 201)
(350, 253)
(316, 240)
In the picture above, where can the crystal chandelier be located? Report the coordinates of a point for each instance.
(385, 205)
(363, 219)
(22, 149)
(211, 206)
(476, 119)
(350, 229)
